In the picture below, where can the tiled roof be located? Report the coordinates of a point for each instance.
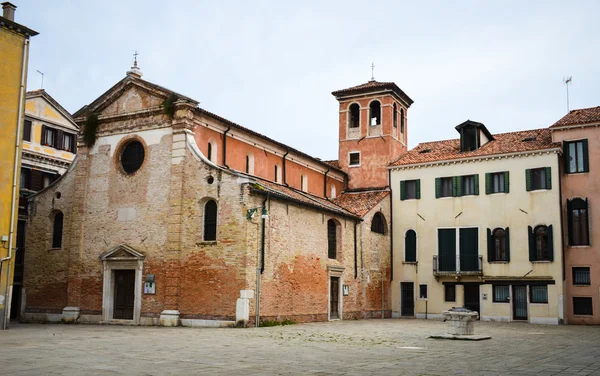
(334, 163)
(360, 203)
(371, 86)
(503, 143)
(581, 116)
(292, 194)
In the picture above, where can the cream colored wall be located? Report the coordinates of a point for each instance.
(517, 210)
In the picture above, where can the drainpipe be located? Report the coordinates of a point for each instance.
(325, 182)
(225, 146)
(284, 173)
(14, 200)
(260, 270)
(391, 227)
(355, 252)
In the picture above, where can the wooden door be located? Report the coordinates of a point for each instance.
(334, 298)
(519, 302)
(124, 294)
(472, 297)
(407, 291)
(469, 252)
(447, 250)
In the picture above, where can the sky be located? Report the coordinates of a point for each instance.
(271, 65)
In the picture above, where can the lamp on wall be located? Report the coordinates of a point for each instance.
(250, 212)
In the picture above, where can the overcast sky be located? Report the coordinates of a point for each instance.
(271, 65)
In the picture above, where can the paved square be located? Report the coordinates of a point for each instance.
(366, 347)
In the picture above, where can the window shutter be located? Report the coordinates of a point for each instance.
(569, 223)
(476, 179)
(548, 177)
(37, 178)
(507, 244)
(74, 143)
(528, 179)
(438, 187)
(488, 183)
(44, 131)
(506, 182)
(418, 188)
(566, 157)
(490, 244)
(586, 161)
(532, 252)
(403, 190)
(549, 243)
(456, 186)
(59, 142)
(27, 130)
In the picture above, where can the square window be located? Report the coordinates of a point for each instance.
(446, 187)
(468, 185)
(422, 291)
(583, 306)
(538, 178)
(450, 293)
(354, 159)
(539, 294)
(498, 182)
(581, 276)
(410, 192)
(501, 294)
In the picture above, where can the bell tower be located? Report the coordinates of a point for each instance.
(373, 131)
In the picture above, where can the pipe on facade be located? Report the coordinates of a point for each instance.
(562, 227)
(325, 182)
(225, 145)
(260, 270)
(284, 170)
(391, 229)
(355, 252)
(14, 200)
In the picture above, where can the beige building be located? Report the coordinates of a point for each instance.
(580, 179)
(476, 223)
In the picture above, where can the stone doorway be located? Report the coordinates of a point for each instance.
(124, 294)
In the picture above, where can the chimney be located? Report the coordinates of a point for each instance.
(8, 11)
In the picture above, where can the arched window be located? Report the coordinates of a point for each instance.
(209, 153)
(499, 238)
(375, 113)
(57, 230)
(541, 242)
(395, 116)
(354, 115)
(250, 163)
(210, 221)
(333, 191)
(304, 183)
(402, 120)
(577, 212)
(378, 223)
(332, 238)
(276, 174)
(410, 246)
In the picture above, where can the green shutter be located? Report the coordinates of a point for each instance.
(549, 243)
(586, 161)
(528, 179)
(490, 244)
(418, 188)
(507, 244)
(456, 186)
(548, 177)
(476, 185)
(569, 223)
(532, 252)
(438, 187)
(488, 183)
(506, 182)
(403, 190)
(566, 156)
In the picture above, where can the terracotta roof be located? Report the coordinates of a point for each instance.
(503, 143)
(581, 116)
(372, 86)
(292, 194)
(334, 163)
(360, 203)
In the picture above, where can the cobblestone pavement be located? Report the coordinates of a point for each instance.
(366, 347)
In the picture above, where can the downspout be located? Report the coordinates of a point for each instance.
(391, 227)
(355, 252)
(14, 200)
(260, 270)
(225, 145)
(325, 182)
(562, 240)
(284, 173)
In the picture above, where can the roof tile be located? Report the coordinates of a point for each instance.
(581, 116)
(360, 203)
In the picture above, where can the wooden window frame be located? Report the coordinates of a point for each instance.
(580, 149)
(447, 289)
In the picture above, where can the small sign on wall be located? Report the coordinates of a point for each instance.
(149, 288)
(346, 290)
(484, 296)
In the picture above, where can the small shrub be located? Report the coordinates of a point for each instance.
(267, 323)
(288, 322)
(90, 130)
(168, 106)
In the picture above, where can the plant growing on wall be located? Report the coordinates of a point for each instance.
(168, 106)
(90, 131)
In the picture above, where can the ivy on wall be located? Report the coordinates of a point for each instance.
(90, 131)
(168, 106)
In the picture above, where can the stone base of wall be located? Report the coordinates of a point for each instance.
(496, 318)
(428, 316)
(199, 323)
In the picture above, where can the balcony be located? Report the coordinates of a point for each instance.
(456, 266)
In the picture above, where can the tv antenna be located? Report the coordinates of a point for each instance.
(567, 81)
(42, 79)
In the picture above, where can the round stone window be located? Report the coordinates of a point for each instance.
(132, 156)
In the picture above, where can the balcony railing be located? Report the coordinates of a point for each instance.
(470, 265)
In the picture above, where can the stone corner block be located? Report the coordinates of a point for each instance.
(70, 314)
(169, 318)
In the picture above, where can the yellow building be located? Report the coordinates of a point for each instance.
(477, 223)
(14, 45)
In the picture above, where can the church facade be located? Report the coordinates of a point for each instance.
(173, 215)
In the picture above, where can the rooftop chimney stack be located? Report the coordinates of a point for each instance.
(8, 11)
